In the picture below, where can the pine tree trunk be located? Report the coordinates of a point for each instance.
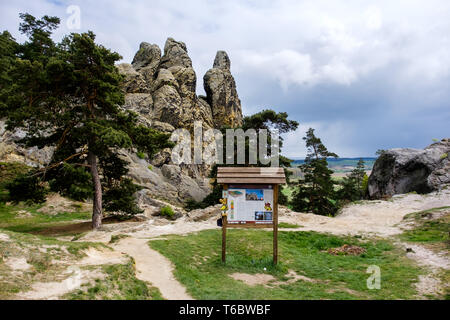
(97, 215)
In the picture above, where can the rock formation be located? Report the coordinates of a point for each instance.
(161, 89)
(399, 171)
(221, 93)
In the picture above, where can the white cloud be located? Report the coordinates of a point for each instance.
(288, 45)
(373, 18)
(335, 136)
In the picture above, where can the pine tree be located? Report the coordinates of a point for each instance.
(68, 96)
(315, 192)
(269, 120)
(352, 186)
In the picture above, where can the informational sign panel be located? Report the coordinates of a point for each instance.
(249, 205)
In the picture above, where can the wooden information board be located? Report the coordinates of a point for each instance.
(251, 195)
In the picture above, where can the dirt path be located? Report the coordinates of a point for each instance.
(378, 218)
(153, 267)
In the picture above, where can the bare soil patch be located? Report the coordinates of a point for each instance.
(347, 249)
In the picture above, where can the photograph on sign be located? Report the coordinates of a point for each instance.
(250, 206)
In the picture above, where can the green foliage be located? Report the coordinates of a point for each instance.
(365, 185)
(27, 187)
(354, 186)
(120, 198)
(141, 155)
(268, 120)
(315, 193)
(8, 49)
(71, 181)
(167, 211)
(443, 156)
(10, 170)
(282, 197)
(71, 92)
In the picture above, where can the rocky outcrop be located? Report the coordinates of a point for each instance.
(161, 89)
(10, 151)
(221, 93)
(399, 171)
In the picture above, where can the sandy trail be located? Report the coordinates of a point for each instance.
(377, 218)
(153, 267)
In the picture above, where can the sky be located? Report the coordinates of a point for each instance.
(367, 75)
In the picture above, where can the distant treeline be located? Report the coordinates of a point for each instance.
(342, 162)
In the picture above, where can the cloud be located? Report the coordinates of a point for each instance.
(379, 72)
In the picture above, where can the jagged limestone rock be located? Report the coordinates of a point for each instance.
(162, 91)
(134, 81)
(399, 171)
(221, 93)
(175, 54)
(148, 57)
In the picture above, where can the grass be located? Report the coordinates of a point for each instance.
(117, 237)
(120, 284)
(27, 218)
(431, 229)
(428, 229)
(198, 266)
(288, 225)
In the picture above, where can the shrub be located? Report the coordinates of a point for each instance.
(141, 155)
(167, 211)
(120, 198)
(10, 170)
(70, 181)
(26, 187)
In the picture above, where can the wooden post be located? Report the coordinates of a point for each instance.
(224, 231)
(275, 224)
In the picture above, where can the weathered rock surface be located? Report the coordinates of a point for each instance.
(161, 89)
(399, 171)
(221, 93)
(11, 152)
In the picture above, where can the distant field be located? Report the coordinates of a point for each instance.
(340, 166)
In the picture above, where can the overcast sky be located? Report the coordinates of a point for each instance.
(366, 75)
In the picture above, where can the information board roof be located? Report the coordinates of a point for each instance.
(264, 175)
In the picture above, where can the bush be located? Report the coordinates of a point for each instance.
(167, 211)
(365, 185)
(120, 198)
(70, 181)
(26, 187)
(141, 155)
(10, 170)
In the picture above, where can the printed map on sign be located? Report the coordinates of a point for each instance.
(250, 205)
